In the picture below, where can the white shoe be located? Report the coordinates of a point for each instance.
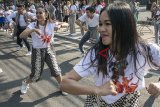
(23, 45)
(11, 34)
(64, 93)
(29, 53)
(24, 87)
(73, 34)
(19, 48)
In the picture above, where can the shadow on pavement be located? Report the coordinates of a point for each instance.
(10, 56)
(149, 102)
(67, 66)
(15, 100)
(151, 75)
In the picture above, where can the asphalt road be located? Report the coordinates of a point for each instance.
(15, 66)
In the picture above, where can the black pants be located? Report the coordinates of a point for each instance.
(19, 40)
(39, 57)
(66, 18)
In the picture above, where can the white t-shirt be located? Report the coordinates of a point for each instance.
(1, 13)
(129, 72)
(32, 8)
(98, 9)
(13, 7)
(37, 40)
(74, 8)
(90, 22)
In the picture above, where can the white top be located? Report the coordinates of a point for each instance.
(98, 9)
(129, 72)
(158, 14)
(73, 8)
(66, 10)
(37, 40)
(21, 18)
(7, 13)
(1, 13)
(90, 22)
(13, 7)
(32, 8)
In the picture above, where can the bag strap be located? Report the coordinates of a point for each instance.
(17, 18)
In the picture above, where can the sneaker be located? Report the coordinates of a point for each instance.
(11, 34)
(64, 93)
(28, 53)
(23, 46)
(73, 34)
(24, 87)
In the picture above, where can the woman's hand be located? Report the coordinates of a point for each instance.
(37, 31)
(154, 89)
(107, 89)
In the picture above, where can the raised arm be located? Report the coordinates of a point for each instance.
(26, 33)
(79, 23)
(9, 17)
(71, 85)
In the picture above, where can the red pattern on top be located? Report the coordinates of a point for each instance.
(125, 85)
(46, 38)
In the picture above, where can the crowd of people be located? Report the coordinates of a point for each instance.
(119, 74)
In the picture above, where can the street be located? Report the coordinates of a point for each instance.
(15, 67)
(45, 93)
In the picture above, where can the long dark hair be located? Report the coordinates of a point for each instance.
(125, 41)
(48, 18)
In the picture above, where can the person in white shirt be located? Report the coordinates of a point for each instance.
(118, 62)
(98, 7)
(2, 18)
(42, 33)
(13, 7)
(83, 11)
(51, 10)
(72, 17)
(6, 14)
(22, 19)
(92, 21)
(65, 12)
(157, 25)
(32, 8)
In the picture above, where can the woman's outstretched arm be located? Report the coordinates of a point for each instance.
(71, 85)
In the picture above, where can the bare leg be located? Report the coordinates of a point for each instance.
(59, 80)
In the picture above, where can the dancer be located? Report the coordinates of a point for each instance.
(42, 32)
(118, 62)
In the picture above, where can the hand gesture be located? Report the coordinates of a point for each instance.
(154, 89)
(107, 89)
(37, 31)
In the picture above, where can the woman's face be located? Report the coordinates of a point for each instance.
(105, 28)
(41, 15)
